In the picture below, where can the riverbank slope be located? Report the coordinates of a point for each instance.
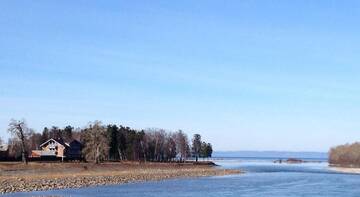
(18, 177)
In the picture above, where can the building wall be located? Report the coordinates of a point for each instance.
(60, 149)
(45, 148)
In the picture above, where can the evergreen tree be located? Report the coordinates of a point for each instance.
(67, 133)
(113, 132)
(203, 150)
(45, 135)
(196, 146)
(209, 150)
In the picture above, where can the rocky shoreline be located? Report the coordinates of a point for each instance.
(37, 179)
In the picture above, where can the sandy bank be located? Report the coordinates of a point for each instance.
(16, 177)
(346, 170)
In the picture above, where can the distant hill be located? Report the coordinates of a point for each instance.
(271, 154)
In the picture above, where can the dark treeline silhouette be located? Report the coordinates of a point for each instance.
(111, 142)
(347, 155)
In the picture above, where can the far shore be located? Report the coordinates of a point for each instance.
(36, 176)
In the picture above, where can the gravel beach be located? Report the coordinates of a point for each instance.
(17, 177)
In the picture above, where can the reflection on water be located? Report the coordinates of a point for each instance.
(262, 178)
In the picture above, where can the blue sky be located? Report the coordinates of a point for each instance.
(247, 75)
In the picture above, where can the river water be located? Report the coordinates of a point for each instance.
(262, 178)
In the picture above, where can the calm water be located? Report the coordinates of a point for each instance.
(263, 178)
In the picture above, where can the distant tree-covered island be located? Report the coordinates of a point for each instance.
(347, 155)
(98, 142)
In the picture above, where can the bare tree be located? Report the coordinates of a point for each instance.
(96, 142)
(345, 155)
(19, 129)
(170, 147)
(159, 144)
(182, 145)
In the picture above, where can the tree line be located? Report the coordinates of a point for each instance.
(347, 155)
(112, 142)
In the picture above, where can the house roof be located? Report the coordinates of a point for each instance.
(75, 141)
(59, 141)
